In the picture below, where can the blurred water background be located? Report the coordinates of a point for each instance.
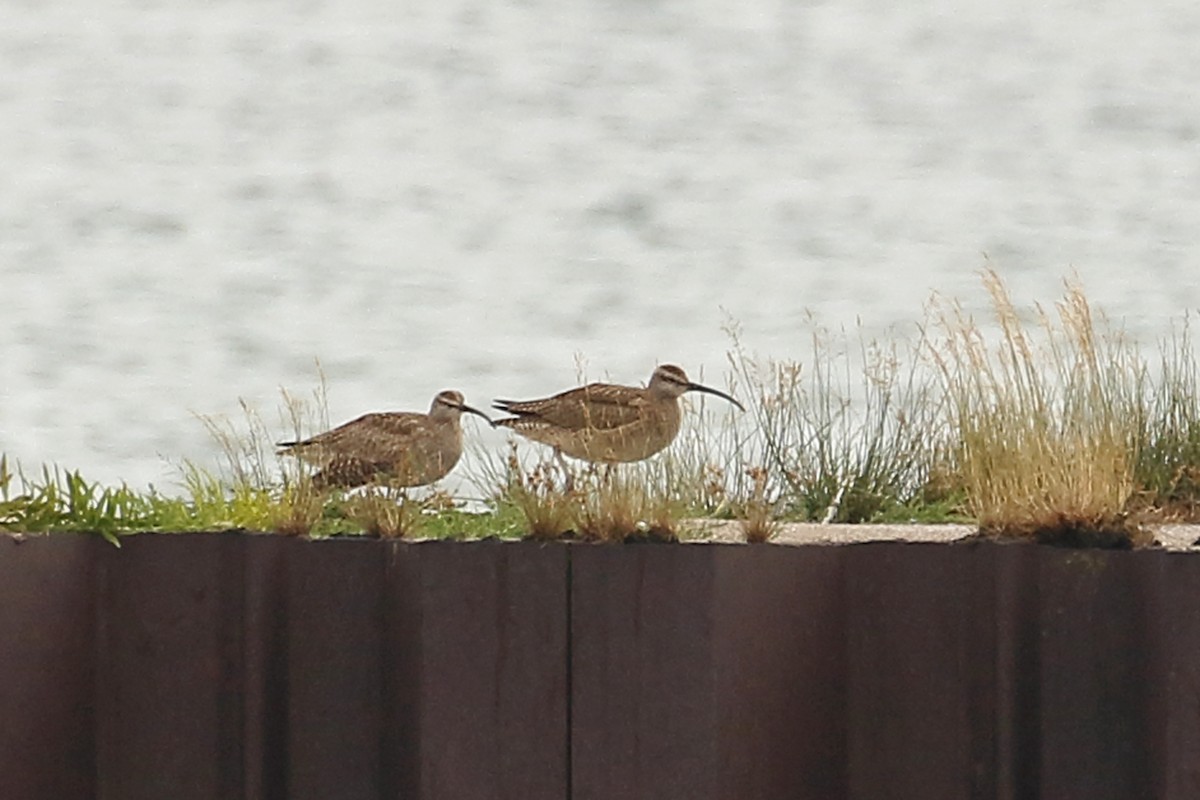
(199, 199)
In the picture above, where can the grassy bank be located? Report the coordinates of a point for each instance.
(1034, 421)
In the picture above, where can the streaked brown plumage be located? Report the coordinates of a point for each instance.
(604, 422)
(402, 448)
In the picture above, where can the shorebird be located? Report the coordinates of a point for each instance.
(403, 448)
(607, 423)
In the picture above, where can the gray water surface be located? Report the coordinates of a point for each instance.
(198, 200)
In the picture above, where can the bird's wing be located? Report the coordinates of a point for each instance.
(600, 406)
(347, 473)
(372, 438)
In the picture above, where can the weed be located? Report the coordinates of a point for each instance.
(384, 512)
(1167, 467)
(621, 506)
(1046, 424)
(1046, 420)
(539, 495)
(848, 436)
(757, 517)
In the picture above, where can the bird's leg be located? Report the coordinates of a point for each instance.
(568, 478)
(608, 472)
(393, 492)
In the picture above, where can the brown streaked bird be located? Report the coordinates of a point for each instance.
(400, 448)
(607, 423)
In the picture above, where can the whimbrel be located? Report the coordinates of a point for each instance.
(400, 449)
(606, 423)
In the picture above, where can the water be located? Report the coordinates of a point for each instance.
(200, 199)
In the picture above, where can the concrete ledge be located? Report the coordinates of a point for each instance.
(1170, 537)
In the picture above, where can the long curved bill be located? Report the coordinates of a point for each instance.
(469, 410)
(695, 387)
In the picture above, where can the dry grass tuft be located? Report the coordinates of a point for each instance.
(259, 488)
(1046, 419)
(1064, 531)
(297, 509)
(620, 504)
(538, 494)
(384, 512)
(623, 506)
(757, 515)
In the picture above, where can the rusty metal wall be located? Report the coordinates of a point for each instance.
(781, 667)
(250, 666)
(920, 622)
(47, 719)
(488, 677)
(644, 710)
(264, 667)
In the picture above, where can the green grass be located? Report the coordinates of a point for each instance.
(1036, 420)
(1166, 469)
(540, 500)
(65, 501)
(854, 433)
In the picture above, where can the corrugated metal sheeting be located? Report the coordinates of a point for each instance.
(218, 666)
